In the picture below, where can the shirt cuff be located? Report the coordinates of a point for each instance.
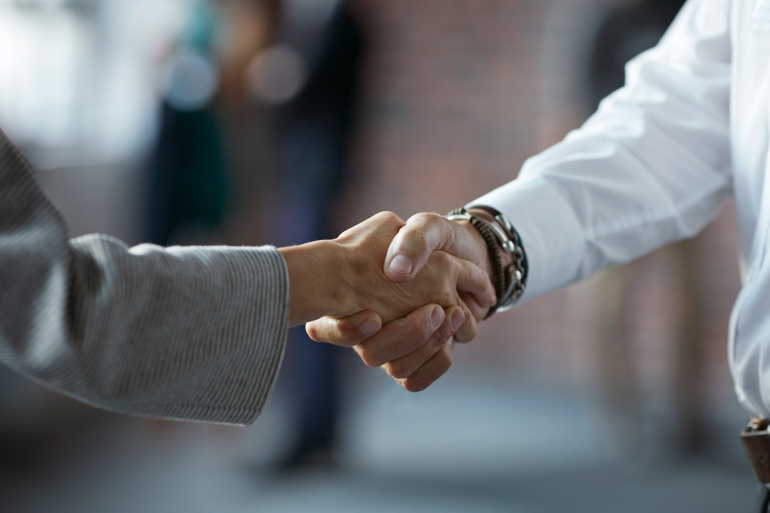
(549, 230)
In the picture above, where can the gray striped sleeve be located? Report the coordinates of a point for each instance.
(187, 333)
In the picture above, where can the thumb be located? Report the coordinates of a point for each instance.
(422, 235)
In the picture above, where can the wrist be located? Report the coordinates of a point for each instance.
(316, 281)
(485, 259)
(485, 215)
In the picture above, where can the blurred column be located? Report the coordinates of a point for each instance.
(592, 41)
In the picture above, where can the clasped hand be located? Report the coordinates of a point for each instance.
(400, 293)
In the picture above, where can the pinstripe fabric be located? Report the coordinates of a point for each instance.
(187, 333)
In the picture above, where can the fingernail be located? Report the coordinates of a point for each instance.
(401, 264)
(458, 318)
(437, 317)
(369, 326)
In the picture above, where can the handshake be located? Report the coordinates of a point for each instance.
(400, 293)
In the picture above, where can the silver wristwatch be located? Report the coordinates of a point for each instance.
(510, 281)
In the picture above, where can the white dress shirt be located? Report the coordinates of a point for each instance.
(657, 162)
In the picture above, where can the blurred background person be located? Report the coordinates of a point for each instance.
(311, 75)
(189, 179)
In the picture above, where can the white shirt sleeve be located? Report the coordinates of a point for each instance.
(650, 167)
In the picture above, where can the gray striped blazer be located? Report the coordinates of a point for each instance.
(188, 333)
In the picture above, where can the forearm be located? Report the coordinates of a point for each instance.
(185, 333)
(650, 167)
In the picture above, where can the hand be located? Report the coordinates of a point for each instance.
(415, 351)
(442, 279)
(344, 276)
(407, 254)
(417, 242)
(425, 233)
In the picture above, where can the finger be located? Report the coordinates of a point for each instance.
(479, 312)
(346, 332)
(405, 366)
(467, 325)
(423, 234)
(433, 369)
(471, 278)
(400, 337)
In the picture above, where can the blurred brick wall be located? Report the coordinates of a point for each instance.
(452, 101)
(450, 114)
(453, 110)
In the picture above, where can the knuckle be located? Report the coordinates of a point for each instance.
(370, 357)
(347, 334)
(461, 337)
(428, 333)
(409, 387)
(417, 241)
(446, 297)
(423, 328)
(466, 334)
(447, 360)
(442, 259)
(443, 336)
(398, 370)
(390, 218)
(415, 385)
(420, 383)
(339, 333)
(425, 218)
(440, 339)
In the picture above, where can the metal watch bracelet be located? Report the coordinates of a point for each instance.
(510, 281)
